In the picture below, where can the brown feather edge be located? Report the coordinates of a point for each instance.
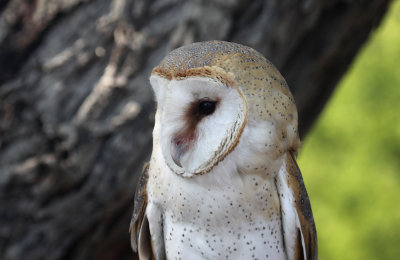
(220, 75)
(298, 253)
(214, 72)
(303, 208)
(139, 208)
(146, 251)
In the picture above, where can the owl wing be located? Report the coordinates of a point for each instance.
(139, 228)
(300, 235)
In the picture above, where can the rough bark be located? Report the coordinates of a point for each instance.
(76, 110)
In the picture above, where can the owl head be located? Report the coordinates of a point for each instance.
(208, 94)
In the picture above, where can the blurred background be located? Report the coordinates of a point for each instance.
(77, 111)
(351, 158)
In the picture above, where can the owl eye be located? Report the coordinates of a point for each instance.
(207, 107)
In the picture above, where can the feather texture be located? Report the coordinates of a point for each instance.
(139, 227)
(297, 219)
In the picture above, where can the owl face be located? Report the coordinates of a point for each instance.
(201, 120)
(208, 94)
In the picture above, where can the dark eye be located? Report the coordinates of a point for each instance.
(207, 107)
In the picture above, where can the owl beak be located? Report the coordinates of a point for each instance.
(179, 146)
(177, 150)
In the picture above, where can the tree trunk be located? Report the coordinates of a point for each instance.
(76, 109)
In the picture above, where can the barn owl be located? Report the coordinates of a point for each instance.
(222, 181)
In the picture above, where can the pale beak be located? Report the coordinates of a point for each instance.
(178, 148)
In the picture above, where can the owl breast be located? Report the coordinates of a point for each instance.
(203, 218)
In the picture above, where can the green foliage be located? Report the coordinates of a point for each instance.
(351, 159)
